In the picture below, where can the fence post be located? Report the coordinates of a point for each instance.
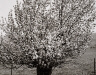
(11, 68)
(94, 66)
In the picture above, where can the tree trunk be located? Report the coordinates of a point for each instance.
(44, 70)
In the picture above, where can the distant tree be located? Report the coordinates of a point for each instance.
(45, 33)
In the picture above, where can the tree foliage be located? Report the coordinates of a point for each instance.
(45, 33)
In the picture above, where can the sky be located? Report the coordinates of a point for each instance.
(6, 6)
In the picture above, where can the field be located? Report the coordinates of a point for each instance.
(83, 65)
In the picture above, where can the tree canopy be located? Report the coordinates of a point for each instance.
(46, 32)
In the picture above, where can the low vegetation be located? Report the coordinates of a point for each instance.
(49, 41)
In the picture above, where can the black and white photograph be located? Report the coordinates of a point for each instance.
(47, 37)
